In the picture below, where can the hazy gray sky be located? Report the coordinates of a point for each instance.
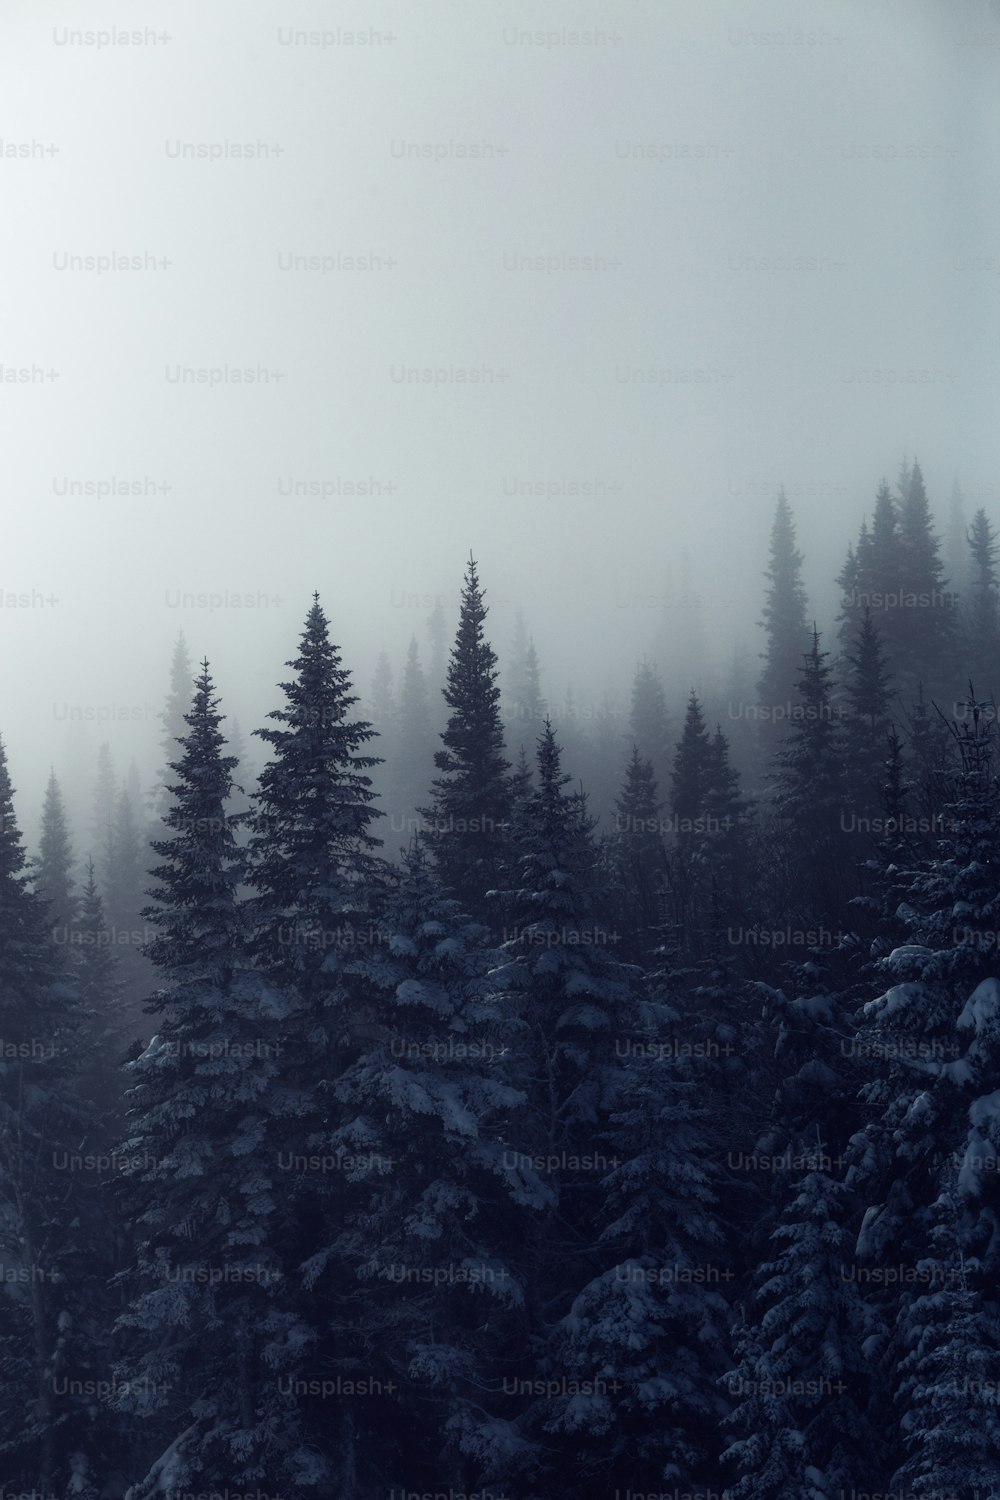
(712, 249)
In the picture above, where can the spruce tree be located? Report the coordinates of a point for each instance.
(425, 1236)
(467, 818)
(982, 611)
(868, 694)
(950, 1368)
(311, 847)
(801, 1381)
(785, 622)
(689, 870)
(562, 996)
(636, 1358)
(317, 887)
(810, 796)
(45, 1244)
(636, 859)
(848, 581)
(53, 869)
(727, 815)
(928, 617)
(207, 1329)
(927, 1102)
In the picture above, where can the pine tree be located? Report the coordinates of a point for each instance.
(784, 620)
(927, 621)
(636, 859)
(689, 872)
(691, 772)
(810, 795)
(937, 1004)
(801, 1379)
(868, 699)
(950, 1370)
(209, 1331)
(848, 581)
(53, 869)
(468, 816)
(880, 572)
(40, 1197)
(727, 820)
(311, 847)
(982, 612)
(317, 884)
(637, 1356)
(561, 997)
(434, 1296)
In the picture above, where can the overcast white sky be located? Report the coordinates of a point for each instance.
(791, 215)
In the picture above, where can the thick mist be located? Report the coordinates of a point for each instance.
(339, 295)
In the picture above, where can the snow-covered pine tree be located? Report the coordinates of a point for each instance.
(470, 808)
(207, 1331)
(41, 1125)
(949, 1385)
(317, 887)
(801, 1383)
(562, 997)
(920, 1037)
(434, 1208)
(635, 1359)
